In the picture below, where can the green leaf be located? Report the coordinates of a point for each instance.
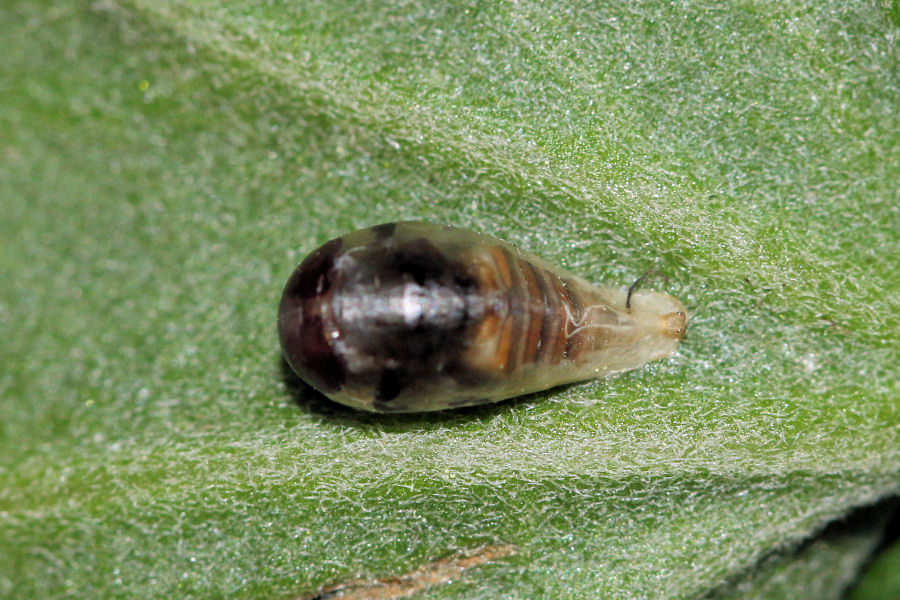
(881, 578)
(165, 165)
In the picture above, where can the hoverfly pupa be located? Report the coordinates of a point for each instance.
(413, 316)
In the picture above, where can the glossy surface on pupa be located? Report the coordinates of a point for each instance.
(414, 316)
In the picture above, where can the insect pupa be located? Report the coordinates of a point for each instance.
(413, 316)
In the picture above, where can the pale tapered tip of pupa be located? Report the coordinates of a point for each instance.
(661, 311)
(674, 324)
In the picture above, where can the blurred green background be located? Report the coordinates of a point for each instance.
(164, 165)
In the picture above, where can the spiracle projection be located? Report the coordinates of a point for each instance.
(413, 316)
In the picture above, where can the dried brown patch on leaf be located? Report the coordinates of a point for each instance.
(440, 571)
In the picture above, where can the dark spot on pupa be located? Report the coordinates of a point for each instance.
(384, 231)
(464, 281)
(421, 260)
(388, 386)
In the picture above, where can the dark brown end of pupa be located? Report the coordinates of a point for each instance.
(302, 317)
